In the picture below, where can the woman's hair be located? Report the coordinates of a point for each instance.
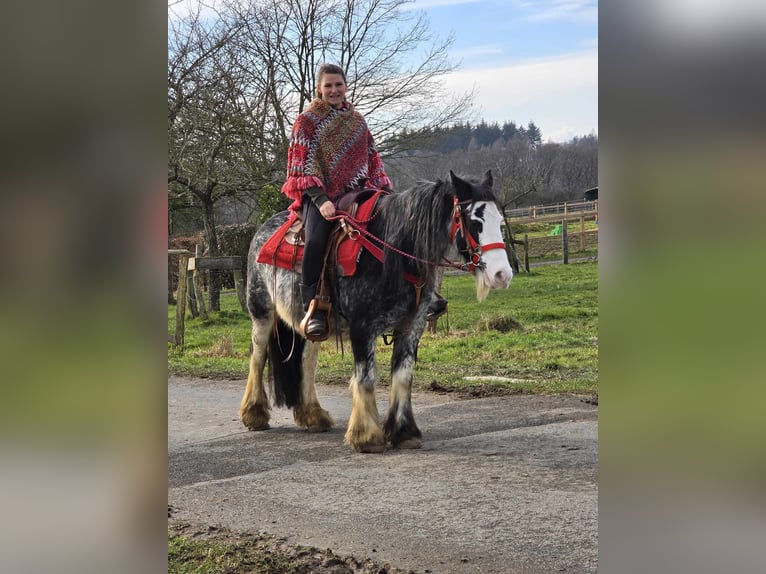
(328, 69)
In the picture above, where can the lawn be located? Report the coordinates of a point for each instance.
(540, 335)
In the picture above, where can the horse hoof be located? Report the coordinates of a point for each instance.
(410, 443)
(254, 421)
(371, 448)
(313, 420)
(372, 444)
(255, 417)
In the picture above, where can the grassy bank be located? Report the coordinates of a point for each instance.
(540, 335)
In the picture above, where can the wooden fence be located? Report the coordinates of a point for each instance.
(190, 285)
(573, 238)
(570, 210)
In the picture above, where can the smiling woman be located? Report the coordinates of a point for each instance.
(331, 86)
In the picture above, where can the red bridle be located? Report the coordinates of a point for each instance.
(474, 248)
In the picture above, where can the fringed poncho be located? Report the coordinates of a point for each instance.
(332, 149)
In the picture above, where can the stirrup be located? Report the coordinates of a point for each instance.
(316, 305)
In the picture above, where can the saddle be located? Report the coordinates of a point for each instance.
(285, 247)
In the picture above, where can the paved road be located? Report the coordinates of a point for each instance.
(501, 485)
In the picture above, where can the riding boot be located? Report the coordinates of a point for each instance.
(436, 308)
(316, 323)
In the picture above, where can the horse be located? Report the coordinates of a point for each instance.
(415, 229)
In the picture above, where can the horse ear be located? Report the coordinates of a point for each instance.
(462, 188)
(487, 178)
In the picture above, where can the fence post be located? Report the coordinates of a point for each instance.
(198, 286)
(565, 243)
(582, 233)
(526, 252)
(190, 290)
(183, 262)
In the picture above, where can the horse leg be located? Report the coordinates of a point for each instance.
(400, 428)
(364, 433)
(309, 413)
(254, 409)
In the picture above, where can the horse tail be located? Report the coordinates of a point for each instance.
(286, 355)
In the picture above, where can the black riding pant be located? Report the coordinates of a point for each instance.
(316, 229)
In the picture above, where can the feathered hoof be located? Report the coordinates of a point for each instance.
(372, 444)
(371, 448)
(314, 419)
(410, 443)
(324, 427)
(407, 436)
(255, 418)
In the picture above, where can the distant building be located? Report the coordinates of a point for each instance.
(591, 194)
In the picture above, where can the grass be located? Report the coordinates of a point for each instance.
(224, 552)
(544, 229)
(540, 336)
(187, 556)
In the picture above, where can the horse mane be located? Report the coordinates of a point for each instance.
(416, 222)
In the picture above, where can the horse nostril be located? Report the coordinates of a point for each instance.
(501, 276)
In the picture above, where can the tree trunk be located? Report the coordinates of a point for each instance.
(211, 235)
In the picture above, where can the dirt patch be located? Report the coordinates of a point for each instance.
(473, 391)
(485, 390)
(196, 548)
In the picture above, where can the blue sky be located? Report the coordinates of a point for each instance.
(528, 60)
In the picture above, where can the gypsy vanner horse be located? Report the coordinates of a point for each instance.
(414, 229)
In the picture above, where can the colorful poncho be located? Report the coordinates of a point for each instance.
(332, 149)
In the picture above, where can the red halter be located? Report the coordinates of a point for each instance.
(475, 250)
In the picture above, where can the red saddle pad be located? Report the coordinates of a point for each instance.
(280, 252)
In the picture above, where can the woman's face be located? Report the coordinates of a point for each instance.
(332, 88)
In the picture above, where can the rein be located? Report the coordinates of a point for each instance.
(359, 233)
(474, 248)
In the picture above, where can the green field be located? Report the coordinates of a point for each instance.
(540, 335)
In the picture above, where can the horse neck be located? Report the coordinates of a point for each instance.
(416, 221)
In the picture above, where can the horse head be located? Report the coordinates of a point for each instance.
(477, 233)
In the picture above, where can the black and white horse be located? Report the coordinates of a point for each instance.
(415, 228)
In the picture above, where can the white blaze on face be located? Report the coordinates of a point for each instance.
(498, 273)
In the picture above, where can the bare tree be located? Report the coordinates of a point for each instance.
(210, 133)
(395, 65)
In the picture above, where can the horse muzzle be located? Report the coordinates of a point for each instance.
(500, 279)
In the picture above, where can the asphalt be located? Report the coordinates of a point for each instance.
(502, 484)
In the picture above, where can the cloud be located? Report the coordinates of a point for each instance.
(579, 11)
(559, 94)
(520, 83)
(474, 51)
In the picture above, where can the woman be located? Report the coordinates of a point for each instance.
(331, 153)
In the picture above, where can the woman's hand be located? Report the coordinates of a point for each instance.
(327, 209)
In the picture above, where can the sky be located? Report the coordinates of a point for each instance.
(528, 60)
